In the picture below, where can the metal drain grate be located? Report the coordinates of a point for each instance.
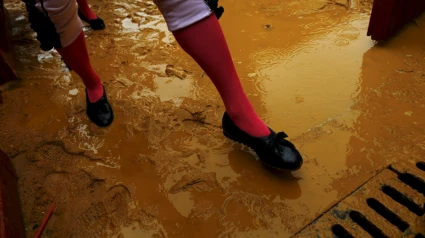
(391, 204)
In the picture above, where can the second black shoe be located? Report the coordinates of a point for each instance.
(100, 112)
(95, 24)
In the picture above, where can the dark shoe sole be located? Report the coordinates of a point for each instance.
(268, 165)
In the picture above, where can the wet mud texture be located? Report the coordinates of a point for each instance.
(164, 169)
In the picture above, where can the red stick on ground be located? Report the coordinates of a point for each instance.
(389, 16)
(46, 219)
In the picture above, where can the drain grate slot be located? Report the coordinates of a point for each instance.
(413, 182)
(403, 200)
(421, 165)
(368, 226)
(387, 214)
(340, 232)
(390, 203)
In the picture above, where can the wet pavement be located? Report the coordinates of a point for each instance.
(164, 169)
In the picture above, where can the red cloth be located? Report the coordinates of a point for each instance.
(389, 16)
(11, 221)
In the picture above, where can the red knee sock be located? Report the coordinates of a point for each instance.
(205, 42)
(85, 9)
(77, 58)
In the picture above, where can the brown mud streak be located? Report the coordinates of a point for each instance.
(199, 118)
(311, 73)
(67, 150)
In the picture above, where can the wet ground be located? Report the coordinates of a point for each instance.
(164, 169)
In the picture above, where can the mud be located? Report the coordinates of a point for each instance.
(164, 169)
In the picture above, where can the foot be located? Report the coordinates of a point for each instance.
(95, 24)
(273, 150)
(100, 112)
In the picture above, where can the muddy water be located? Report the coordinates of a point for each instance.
(163, 169)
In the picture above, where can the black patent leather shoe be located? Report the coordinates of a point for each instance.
(95, 24)
(100, 112)
(273, 150)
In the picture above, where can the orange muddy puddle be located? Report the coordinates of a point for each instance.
(164, 169)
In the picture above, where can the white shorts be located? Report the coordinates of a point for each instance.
(57, 23)
(181, 13)
(64, 14)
